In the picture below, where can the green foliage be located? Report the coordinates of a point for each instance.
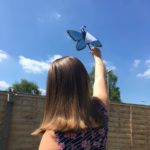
(26, 87)
(114, 91)
(111, 80)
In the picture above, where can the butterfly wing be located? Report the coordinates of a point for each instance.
(75, 35)
(96, 43)
(80, 45)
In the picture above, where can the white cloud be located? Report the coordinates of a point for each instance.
(146, 74)
(43, 91)
(43, 18)
(3, 55)
(136, 63)
(33, 66)
(3, 85)
(109, 66)
(147, 62)
(53, 58)
(57, 15)
(36, 66)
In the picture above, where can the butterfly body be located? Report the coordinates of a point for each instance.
(83, 39)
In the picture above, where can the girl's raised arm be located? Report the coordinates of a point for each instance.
(99, 87)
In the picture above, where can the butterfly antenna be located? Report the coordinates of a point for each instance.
(83, 28)
(89, 46)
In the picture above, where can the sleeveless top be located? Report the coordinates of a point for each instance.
(85, 139)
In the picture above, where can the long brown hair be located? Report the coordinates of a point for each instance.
(68, 102)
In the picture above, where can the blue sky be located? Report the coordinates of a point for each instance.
(33, 34)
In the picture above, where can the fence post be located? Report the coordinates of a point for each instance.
(131, 128)
(7, 121)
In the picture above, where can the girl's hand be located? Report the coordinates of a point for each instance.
(96, 52)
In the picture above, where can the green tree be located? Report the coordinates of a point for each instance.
(114, 91)
(27, 87)
(111, 81)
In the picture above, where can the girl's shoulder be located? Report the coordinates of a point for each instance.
(48, 141)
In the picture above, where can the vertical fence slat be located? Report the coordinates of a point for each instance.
(131, 127)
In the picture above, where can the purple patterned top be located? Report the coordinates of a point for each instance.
(87, 139)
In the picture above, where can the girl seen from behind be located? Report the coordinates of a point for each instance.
(73, 120)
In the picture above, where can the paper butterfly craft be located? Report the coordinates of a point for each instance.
(83, 38)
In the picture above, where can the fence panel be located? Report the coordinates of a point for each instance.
(129, 125)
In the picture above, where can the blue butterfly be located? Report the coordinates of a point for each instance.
(83, 38)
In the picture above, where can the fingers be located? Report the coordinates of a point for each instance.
(91, 51)
(94, 49)
(95, 52)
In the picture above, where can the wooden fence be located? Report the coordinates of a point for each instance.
(129, 125)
